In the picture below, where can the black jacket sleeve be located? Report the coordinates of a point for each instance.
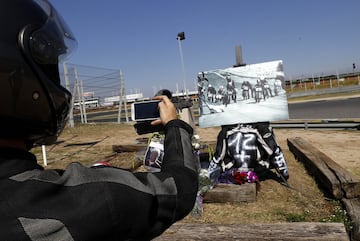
(181, 163)
(173, 190)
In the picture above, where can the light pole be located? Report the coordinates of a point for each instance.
(180, 37)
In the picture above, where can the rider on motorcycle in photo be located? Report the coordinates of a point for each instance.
(245, 86)
(231, 91)
(258, 91)
(266, 89)
(277, 87)
(211, 93)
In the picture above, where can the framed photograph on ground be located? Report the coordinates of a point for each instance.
(246, 94)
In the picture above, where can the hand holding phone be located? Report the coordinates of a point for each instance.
(152, 116)
(167, 110)
(145, 111)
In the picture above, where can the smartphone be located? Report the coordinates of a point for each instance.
(146, 110)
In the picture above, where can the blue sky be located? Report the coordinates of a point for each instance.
(139, 37)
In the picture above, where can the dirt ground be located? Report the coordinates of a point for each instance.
(305, 201)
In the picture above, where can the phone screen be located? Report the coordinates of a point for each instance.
(147, 110)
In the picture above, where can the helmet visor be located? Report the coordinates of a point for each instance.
(53, 42)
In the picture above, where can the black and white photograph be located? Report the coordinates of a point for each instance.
(246, 94)
(153, 156)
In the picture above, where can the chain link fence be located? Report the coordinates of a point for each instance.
(93, 88)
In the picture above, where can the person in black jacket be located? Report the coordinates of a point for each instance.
(78, 203)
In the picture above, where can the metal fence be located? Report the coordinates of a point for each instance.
(96, 82)
(92, 87)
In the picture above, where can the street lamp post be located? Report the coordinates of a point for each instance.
(180, 37)
(185, 113)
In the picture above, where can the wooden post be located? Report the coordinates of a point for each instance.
(338, 181)
(353, 209)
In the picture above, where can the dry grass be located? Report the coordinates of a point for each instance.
(305, 201)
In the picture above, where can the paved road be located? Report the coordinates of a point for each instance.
(326, 109)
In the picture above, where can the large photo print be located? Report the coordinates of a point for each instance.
(247, 94)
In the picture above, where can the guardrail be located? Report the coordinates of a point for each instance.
(318, 124)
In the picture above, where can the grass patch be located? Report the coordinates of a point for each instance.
(338, 215)
(295, 217)
(320, 96)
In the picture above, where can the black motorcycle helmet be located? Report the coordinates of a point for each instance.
(33, 41)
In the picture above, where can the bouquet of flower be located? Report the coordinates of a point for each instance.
(238, 176)
(205, 185)
(241, 177)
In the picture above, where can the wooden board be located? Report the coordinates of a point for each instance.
(231, 193)
(338, 181)
(129, 148)
(251, 232)
(352, 207)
